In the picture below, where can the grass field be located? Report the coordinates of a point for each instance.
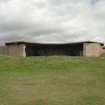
(52, 81)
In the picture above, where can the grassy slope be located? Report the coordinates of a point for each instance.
(52, 81)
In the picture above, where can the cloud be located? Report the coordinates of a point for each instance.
(52, 21)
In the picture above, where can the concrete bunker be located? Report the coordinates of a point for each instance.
(44, 49)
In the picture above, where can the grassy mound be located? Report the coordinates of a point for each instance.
(52, 80)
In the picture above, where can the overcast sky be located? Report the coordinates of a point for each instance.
(52, 21)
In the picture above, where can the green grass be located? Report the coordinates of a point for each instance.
(52, 80)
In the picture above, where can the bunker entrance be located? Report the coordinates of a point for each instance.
(50, 50)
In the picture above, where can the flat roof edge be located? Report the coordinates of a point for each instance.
(23, 42)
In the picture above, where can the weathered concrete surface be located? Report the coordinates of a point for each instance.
(93, 49)
(13, 50)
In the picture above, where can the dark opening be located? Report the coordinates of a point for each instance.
(49, 50)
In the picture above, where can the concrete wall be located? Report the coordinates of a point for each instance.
(93, 49)
(13, 50)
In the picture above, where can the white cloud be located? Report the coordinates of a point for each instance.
(52, 21)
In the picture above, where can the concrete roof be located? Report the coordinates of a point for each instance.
(28, 42)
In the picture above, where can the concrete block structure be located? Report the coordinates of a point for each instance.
(24, 49)
(13, 50)
(93, 49)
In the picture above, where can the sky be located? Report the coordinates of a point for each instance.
(52, 21)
